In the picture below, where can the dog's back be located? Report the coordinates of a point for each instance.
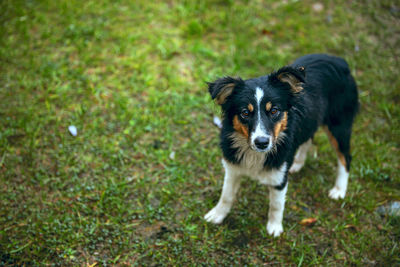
(331, 77)
(329, 80)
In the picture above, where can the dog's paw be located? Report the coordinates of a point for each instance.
(216, 215)
(296, 167)
(336, 193)
(274, 229)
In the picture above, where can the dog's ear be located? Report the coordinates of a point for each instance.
(222, 88)
(295, 77)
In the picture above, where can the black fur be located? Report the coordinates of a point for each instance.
(214, 88)
(328, 97)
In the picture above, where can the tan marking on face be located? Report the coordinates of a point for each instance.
(268, 106)
(335, 145)
(225, 92)
(239, 127)
(281, 125)
(250, 107)
(284, 121)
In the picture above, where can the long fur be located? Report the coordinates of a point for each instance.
(289, 105)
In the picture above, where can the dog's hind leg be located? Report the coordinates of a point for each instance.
(228, 196)
(300, 157)
(339, 137)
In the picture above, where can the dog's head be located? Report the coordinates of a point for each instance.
(257, 109)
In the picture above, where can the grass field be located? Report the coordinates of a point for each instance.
(132, 187)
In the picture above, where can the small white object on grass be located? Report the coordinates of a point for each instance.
(172, 155)
(129, 178)
(72, 130)
(318, 7)
(217, 122)
(390, 209)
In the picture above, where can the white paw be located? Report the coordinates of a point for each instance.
(274, 229)
(336, 193)
(216, 215)
(296, 167)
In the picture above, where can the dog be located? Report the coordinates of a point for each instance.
(269, 123)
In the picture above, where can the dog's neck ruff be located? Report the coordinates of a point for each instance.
(247, 157)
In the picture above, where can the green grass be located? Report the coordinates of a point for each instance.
(131, 76)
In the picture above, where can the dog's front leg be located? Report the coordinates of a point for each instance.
(276, 207)
(228, 196)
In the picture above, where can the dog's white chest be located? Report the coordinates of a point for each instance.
(271, 177)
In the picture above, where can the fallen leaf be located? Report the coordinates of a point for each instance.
(266, 32)
(350, 226)
(308, 221)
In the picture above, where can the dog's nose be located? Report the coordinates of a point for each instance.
(261, 142)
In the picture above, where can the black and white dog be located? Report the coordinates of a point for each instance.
(269, 122)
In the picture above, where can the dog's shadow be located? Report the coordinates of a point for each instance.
(240, 233)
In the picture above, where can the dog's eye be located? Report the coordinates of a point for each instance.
(274, 111)
(244, 113)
